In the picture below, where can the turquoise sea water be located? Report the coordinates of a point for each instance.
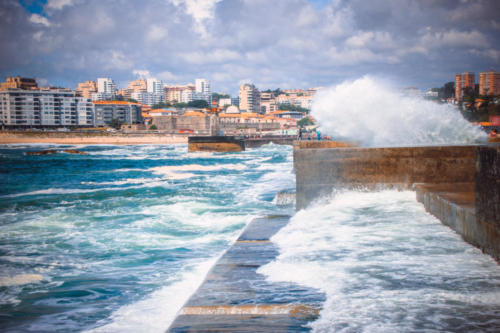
(118, 239)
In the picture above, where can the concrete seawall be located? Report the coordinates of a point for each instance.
(458, 184)
(235, 298)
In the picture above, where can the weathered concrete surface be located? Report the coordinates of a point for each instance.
(454, 205)
(235, 298)
(458, 184)
(278, 140)
(488, 184)
(319, 171)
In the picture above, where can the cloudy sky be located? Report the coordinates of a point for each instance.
(279, 43)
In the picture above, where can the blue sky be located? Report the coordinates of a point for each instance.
(283, 43)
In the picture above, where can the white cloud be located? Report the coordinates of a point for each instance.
(116, 60)
(454, 38)
(38, 36)
(167, 76)
(360, 55)
(201, 11)
(307, 16)
(156, 33)
(215, 56)
(372, 39)
(143, 73)
(38, 19)
(59, 4)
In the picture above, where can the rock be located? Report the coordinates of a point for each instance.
(54, 151)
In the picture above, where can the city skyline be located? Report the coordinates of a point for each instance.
(288, 44)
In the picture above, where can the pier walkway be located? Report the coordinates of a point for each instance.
(235, 298)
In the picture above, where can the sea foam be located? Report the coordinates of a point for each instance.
(373, 113)
(386, 265)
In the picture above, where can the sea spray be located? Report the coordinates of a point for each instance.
(386, 265)
(373, 113)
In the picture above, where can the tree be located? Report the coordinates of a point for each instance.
(290, 107)
(115, 123)
(199, 103)
(131, 100)
(306, 121)
(216, 96)
(180, 105)
(153, 127)
(161, 105)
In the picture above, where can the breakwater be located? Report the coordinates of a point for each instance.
(235, 298)
(458, 184)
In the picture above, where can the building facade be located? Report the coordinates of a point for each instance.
(249, 98)
(86, 89)
(462, 82)
(105, 90)
(489, 83)
(45, 107)
(125, 112)
(19, 83)
(203, 91)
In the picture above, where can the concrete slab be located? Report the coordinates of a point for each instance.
(235, 298)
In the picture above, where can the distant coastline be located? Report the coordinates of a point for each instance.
(12, 137)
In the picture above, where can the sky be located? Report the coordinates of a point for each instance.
(272, 44)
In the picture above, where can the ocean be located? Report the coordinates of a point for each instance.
(118, 239)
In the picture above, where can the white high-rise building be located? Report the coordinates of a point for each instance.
(105, 89)
(106, 85)
(203, 90)
(154, 88)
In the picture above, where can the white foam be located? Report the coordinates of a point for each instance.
(156, 312)
(126, 181)
(384, 264)
(20, 279)
(181, 171)
(373, 113)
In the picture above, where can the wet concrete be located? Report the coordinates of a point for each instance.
(458, 184)
(235, 298)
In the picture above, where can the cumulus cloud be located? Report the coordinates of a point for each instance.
(38, 19)
(59, 4)
(270, 43)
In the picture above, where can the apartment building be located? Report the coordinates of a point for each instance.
(126, 112)
(462, 82)
(106, 88)
(203, 90)
(86, 89)
(249, 98)
(45, 107)
(19, 83)
(489, 83)
(179, 93)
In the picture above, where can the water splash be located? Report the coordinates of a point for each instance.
(373, 113)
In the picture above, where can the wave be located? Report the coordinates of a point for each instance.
(20, 279)
(180, 171)
(385, 265)
(156, 312)
(373, 113)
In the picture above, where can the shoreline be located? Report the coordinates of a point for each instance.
(90, 138)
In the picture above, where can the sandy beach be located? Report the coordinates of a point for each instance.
(90, 138)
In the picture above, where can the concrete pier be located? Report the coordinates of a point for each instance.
(458, 184)
(235, 298)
